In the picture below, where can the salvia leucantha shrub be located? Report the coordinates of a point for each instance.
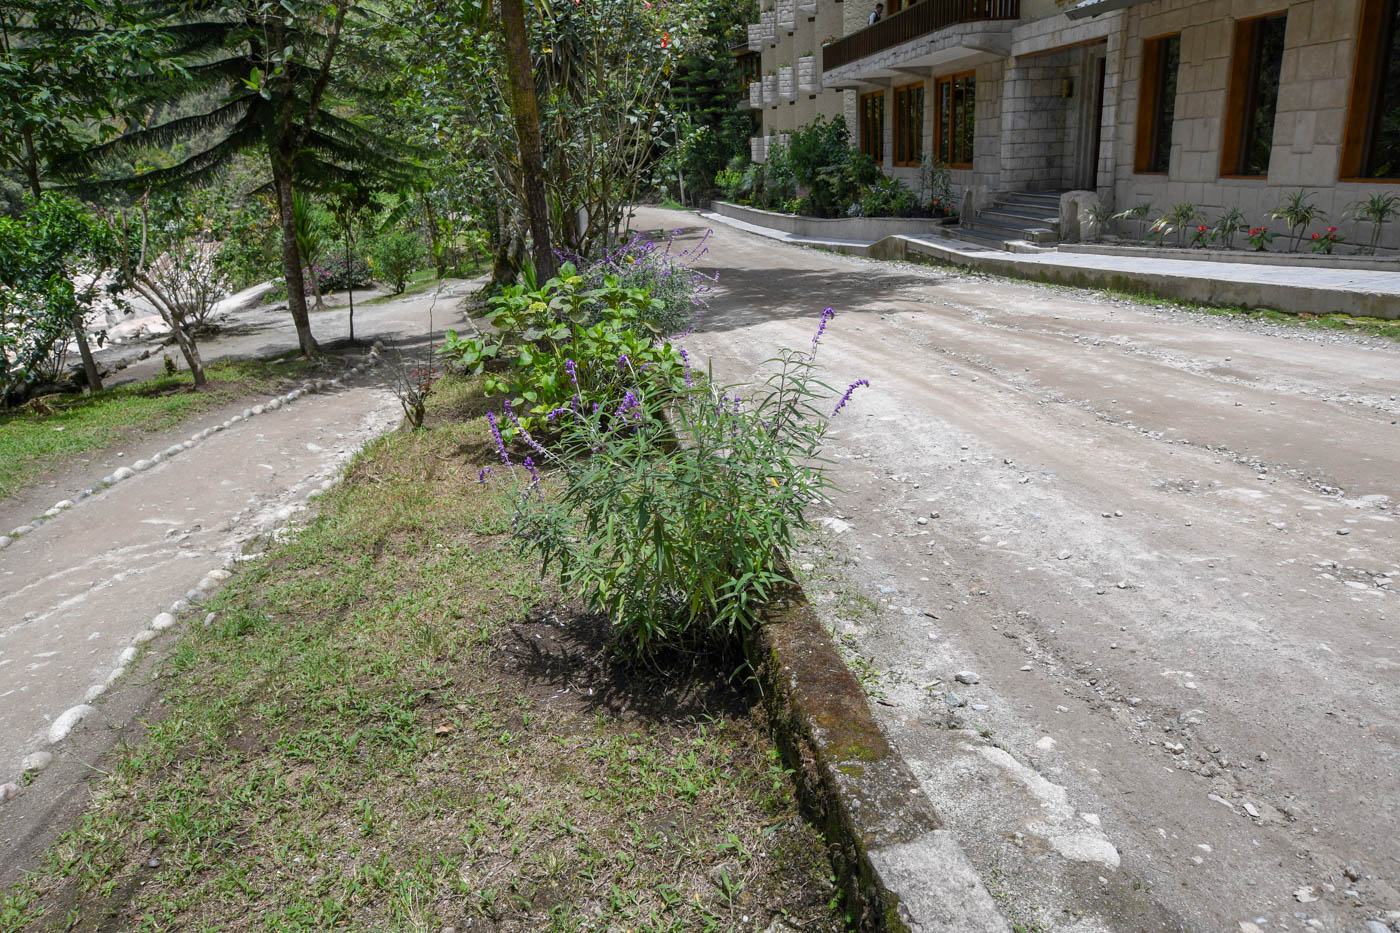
(671, 511)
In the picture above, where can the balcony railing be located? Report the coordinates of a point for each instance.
(912, 22)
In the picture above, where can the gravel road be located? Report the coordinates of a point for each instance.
(1162, 548)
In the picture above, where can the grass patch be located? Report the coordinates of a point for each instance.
(32, 441)
(391, 725)
(671, 204)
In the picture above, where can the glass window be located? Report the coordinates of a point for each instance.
(1161, 61)
(872, 125)
(956, 123)
(909, 124)
(1371, 149)
(1253, 101)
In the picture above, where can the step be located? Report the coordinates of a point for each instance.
(1009, 231)
(1013, 213)
(960, 232)
(1049, 200)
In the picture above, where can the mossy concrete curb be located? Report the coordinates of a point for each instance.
(900, 870)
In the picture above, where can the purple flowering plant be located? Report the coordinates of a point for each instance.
(672, 507)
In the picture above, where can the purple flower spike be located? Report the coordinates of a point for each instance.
(827, 315)
(685, 359)
(623, 362)
(534, 478)
(847, 397)
(481, 476)
(496, 436)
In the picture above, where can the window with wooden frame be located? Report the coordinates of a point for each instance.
(1255, 67)
(909, 124)
(1161, 61)
(955, 124)
(872, 126)
(1371, 147)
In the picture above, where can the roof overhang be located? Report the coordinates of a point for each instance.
(1086, 8)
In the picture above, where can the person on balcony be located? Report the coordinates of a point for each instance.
(878, 15)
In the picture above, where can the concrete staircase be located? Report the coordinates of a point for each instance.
(1032, 217)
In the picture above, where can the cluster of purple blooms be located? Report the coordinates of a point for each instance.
(662, 267)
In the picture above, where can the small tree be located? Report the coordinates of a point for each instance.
(54, 264)
(396, 255)
(308, 241)
(175, 268)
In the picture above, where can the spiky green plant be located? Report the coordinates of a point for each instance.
(1230, 223)
(1376, 210)
(1298, 212)
(1139, 213)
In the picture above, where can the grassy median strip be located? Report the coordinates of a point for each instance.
(37, 437)
(392, 724)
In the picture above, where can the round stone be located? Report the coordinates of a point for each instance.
(123, 473)
(143, 636)
(207, 585)
(140, 466)
(93, 692)
(6, 541)
(178, 606)
(219, 573)
(174, 450)
(36, 762)
(8, 791)
(63, 504)
(209, 619)
(126, 657)
(64, 724)
(162, 622)
(274, 404)
(52, 512)
(259, 409)
(116, 674)
(108, 480)
(21, 531)
(247, 413)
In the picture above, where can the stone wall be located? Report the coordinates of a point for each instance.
(1319, 56)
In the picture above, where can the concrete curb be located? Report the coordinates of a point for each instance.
(1217, 292)
(899, 869)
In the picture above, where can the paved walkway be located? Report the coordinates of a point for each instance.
(1287, 288)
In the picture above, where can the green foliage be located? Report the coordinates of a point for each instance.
(1298, 212)
(1099, 216)
(676, 527)
(1181, 219)
(563, 346)
(396, 254)
(824, 162)
(1376, 210)
(889, 197)
(1139, 213)
(1325, 241)
(1226, 226)
(52, 266)
(1260, 238)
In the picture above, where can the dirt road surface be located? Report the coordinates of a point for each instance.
(1162, 549)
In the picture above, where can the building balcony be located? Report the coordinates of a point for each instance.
(770, 90)
(756, 95)
(787, 83)
(809, 77)
(930, 33)
(808, 7)
(756, 37)
(787, 15)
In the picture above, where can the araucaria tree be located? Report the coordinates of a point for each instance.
(283, 79)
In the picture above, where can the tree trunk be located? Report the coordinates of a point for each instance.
(94, 378)
(316, 286)
(525, 108)
(291, 262)
(31, 164)
(350, 280)
(191, 353)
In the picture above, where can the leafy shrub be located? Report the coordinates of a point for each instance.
(729, 181)
(1298, 212)
(889, 197)
(562, 347)
(824, 162)
(396, 254)
(1229, 223)
(676, 528)
(337, 275)
(676, 292)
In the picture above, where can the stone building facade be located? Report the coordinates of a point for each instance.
(1219, 103)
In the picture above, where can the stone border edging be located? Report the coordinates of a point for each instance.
(144, 464)
(1245, 257)
(900, 870)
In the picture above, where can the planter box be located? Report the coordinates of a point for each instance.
(787, 83)
(807, 6)
(1250, 257)
(770, 90)
(758, 149)
(769, 22)
(787, 14)
(756, 95)
(833, 228)
(809, 76)
(756, 37)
